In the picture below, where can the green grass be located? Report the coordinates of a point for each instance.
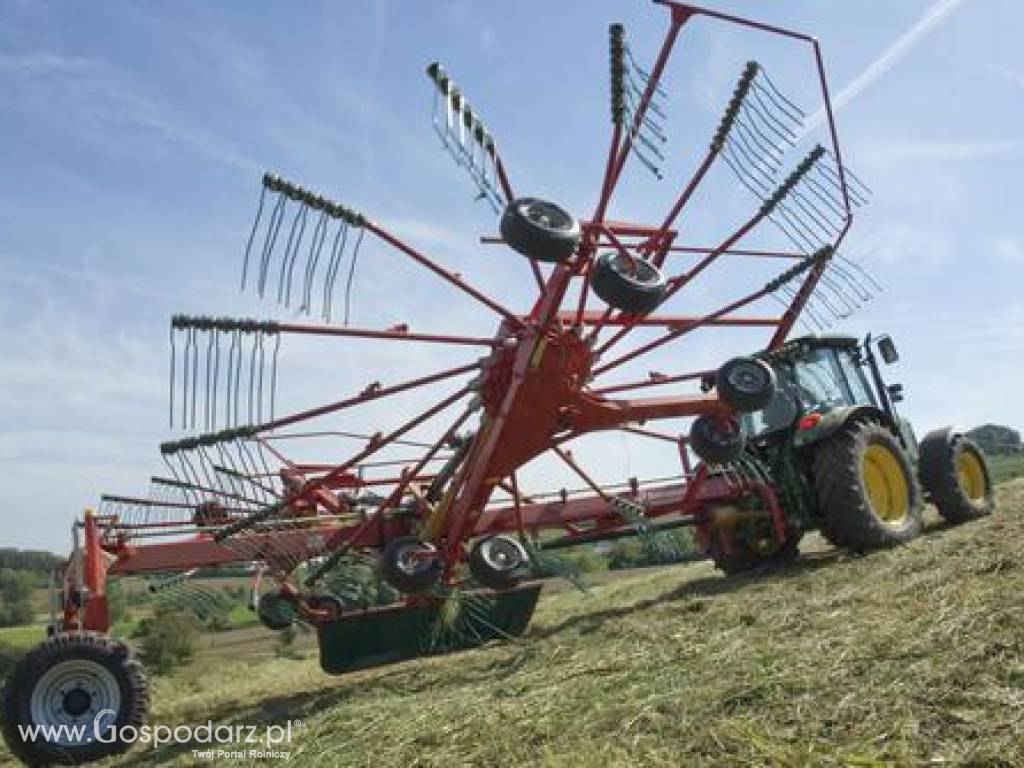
(22, 636)
(1006, 467)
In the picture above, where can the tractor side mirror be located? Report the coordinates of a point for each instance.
(887, 347)
(895, 392)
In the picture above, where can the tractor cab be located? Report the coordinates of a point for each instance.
(823, 380)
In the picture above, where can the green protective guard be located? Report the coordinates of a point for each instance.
(385, 635)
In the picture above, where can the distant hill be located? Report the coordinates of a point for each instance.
(37, 561)
(995, 438)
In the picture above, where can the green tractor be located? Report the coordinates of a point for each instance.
(839, 458)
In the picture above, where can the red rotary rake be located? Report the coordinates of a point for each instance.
(545, 377)
(426, 497)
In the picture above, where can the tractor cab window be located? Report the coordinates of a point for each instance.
(781, 412)
(820, 381)
(862, 393)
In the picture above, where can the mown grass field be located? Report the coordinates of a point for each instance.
(907, 657)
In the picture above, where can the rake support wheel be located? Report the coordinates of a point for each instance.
(717, 440)
(539, 229)
(499, 562)
(410, 565)
(632, 285)
(866, 488)
(745, 383)
(955, 476)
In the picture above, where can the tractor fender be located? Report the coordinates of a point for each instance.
(838, 418)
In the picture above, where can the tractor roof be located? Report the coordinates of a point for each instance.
(796, 348)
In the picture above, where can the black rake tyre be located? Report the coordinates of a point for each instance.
(743, 559)
(499, 562)
(745, 384)
(632, 285)
(866, 488)
(955, 475)
(717, 440)
(275, 611)
(70, 679)
(410, 565)
(540, 230)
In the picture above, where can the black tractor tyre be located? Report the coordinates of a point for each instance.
(632, 285)
(275, 611)
(499, 562)
(410, 565)
(69, 679)
(540, 230)
(955, 476)
(745, 384)
(717, 440)
(743, 559)
(866, 488)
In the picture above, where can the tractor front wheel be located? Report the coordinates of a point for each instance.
(955, 476)
(72, 698)
(866, 488)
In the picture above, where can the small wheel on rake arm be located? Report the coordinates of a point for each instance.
(410, 565)
(276, 611)
(540, 230)
(499, 562)
(629, 284)
(717, 440)
(745, 383)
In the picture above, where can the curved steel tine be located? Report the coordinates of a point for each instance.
(261, 365)
(252, 234)
(273, 375)
(195, 373)
(780, 107)
(172, 378)
(276, 217)
(312, 260)
(238, 379)
(291, 253)
(748, 160)
(772, 154)
(332, 274)
(251, 412)
(779, 93)
(351, 275)
(207, 400)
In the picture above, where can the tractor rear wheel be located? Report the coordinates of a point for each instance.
(955, 476)
(83, 687)
(867, 490)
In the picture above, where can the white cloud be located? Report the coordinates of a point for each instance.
(943, 150)
(932, 18)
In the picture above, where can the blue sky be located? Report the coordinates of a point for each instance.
(134, 135)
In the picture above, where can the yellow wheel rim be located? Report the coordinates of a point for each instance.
(886, 484)
(971, 476)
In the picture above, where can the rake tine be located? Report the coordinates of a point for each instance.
(772, 119)
(238, 376)
(748, 160)
(831, 284)
(216, 379)
(259, 383)
(273, 374)
(313, 259)
(271, 477)
(652, 105)
(207, 425)
(253, 469)
(645, 122)
(874, 283)
(251, 413)
(195, 373)
(337, 255)
(651, 146)
(823, 194)
(799, 224)
(779, 106)
(229, 379)
(273, 229)
(855, 180)
(858, 191)
(643, 73)
(291, 252)
(172, 377)
(781, 95)
(738, 167)
(751, 123)
(852, 280)
(819, 218)
(252, 234)
(351, 274)
(772, 154)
